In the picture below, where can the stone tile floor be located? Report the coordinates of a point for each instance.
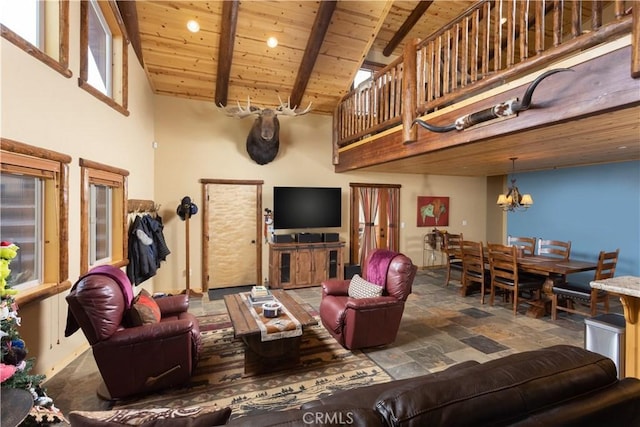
(439, 328)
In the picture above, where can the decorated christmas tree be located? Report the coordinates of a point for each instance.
(15, 368)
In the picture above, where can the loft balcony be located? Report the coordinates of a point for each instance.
(488, 55)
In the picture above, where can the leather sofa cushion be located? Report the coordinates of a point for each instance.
(524, 383)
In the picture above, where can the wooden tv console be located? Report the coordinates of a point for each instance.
(299, 265)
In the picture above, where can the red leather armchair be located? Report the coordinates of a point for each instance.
(368, 322)
(133, 359)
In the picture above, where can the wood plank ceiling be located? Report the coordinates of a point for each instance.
(311, 64)
(322, 44)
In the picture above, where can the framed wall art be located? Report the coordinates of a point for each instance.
(433, 211)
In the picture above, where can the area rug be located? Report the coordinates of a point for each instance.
(219, 293)
(326, 367)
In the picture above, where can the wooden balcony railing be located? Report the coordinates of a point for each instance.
(491, 43)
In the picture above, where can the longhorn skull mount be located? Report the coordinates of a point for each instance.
(503, 109)
(263, 141)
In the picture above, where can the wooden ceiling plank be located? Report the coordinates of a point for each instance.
(318, 32)
(225, 50)
(406, 26)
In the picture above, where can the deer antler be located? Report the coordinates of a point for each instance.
(240, 112)
(288, 111)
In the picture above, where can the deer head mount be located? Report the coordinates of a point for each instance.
(263, 141)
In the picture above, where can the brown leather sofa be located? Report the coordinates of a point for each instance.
(368, 322)
(556, 386)
(133, 359)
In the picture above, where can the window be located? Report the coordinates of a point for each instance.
(40, 28)
(21, 211)
(34, 216)
(362, 75)
(103, 237)
(103, 53)
(100, 224)
(99, 50)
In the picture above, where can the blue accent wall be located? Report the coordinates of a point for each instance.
(596, 207)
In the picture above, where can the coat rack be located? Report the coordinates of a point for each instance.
(186, 209)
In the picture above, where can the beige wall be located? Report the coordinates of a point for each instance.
(196, 141)
(43, 108)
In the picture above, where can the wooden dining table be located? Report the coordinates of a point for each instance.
(556, 270)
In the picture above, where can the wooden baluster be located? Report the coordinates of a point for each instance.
(635, 37)
(576, 18)
(524, 29)
(475, 23)
(511, 33)
(446, 66)
(596, 15)
(539, 27)
(557, 22)
(395, 93)
(486, 38)
(619, 8)
(455, 51)
(464, 65)
(497, 39)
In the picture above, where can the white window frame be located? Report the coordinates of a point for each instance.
(94, 74)
(115, 90)
(52, 46)
(94, 229)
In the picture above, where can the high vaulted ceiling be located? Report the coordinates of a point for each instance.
(321, 46)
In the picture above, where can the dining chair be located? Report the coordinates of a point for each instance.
(528, 244)
(453, 249)
(581, 293)
(554, 248)
(503, 264)
(473, 268)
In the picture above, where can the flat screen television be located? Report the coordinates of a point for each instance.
(307, 207)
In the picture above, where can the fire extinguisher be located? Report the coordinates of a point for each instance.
(268, 224)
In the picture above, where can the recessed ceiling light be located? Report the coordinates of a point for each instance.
(272, 42)
(193, 26)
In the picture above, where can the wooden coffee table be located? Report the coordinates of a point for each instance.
(266, 356)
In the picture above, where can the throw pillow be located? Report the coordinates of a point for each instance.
(194, 416)
(360, 288)
(144, 309)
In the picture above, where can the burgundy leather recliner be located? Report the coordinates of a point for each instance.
(137, 359)
(368, 322)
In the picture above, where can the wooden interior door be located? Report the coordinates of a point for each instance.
(232, 243)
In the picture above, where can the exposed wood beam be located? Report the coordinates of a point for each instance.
(318, 31)
(406, 26)
(228, 23)
(130, 18)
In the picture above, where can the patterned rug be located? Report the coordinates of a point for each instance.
(219, 377)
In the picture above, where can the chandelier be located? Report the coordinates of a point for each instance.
(513, 200)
